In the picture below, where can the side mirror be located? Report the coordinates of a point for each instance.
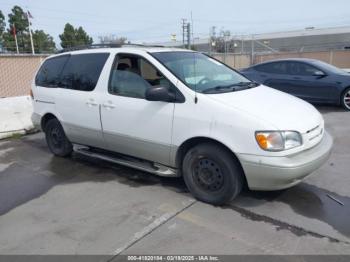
(159, 94)
(319, 74)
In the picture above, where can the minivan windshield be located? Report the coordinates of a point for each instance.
(202, 73)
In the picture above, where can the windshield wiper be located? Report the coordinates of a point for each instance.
(246, 84)
(219, 89)
(230, 88)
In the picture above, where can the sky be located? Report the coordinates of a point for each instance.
(155, 20)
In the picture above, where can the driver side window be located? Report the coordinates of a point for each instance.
(132, 75)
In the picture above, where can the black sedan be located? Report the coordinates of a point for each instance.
(312, 80)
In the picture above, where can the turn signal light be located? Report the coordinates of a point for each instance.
(262, 140)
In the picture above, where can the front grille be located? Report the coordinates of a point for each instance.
(315, 133)
(313, 129)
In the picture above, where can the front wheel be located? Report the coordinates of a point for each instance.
(56, 139)
(212, 174)
(345, 99)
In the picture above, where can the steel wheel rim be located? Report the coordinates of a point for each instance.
(56, 137)
(208, 175)
(347, 99)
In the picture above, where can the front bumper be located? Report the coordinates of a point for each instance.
(275, 173)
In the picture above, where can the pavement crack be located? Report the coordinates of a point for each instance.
(280, 225)
(149, 229)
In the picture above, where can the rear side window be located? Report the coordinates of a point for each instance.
(273, 68)
(50, 71)
(296, 68)
(83, 71)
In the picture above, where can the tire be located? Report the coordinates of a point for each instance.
(345, 99)
(56, 139)
(212, 174)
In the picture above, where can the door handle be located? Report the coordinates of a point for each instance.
(91, 102)
(108, 105)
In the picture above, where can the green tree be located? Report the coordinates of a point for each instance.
(17, 19)
(82, 37)
(74, 37)
(68, 36)
(2, 24)
(43, 43)
(2, 30)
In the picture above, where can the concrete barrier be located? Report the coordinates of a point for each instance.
(15, 116)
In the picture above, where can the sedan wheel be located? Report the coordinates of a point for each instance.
(346, 99)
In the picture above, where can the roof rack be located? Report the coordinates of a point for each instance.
(83, 47)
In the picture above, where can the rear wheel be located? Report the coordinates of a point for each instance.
(56, 139)
(345, 99)
(212, 174)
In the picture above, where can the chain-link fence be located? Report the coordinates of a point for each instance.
(339, 58)
(17, 73)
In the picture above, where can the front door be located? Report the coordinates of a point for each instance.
(131, 124)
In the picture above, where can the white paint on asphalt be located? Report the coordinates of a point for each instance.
(150, 228)
(146, 230)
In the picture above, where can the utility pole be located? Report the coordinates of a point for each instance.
(188, 36)
(183, 31)
(226, 35)
(252, 54)
(212, 38)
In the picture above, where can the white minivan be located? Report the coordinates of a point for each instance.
(174, 112)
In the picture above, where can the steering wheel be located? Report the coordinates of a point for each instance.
(204, 81)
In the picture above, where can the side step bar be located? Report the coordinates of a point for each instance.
(146, 166)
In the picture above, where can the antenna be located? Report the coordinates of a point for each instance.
(194, 65)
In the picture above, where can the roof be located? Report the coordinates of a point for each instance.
(127, 48)
(295, 59)
(309, 60)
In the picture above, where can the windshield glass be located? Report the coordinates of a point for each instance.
(202, 73)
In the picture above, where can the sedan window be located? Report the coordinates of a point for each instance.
(296, 68)
(273, 68)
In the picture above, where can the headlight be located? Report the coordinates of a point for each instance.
(278, 140)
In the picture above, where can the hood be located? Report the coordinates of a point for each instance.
(278, 109)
